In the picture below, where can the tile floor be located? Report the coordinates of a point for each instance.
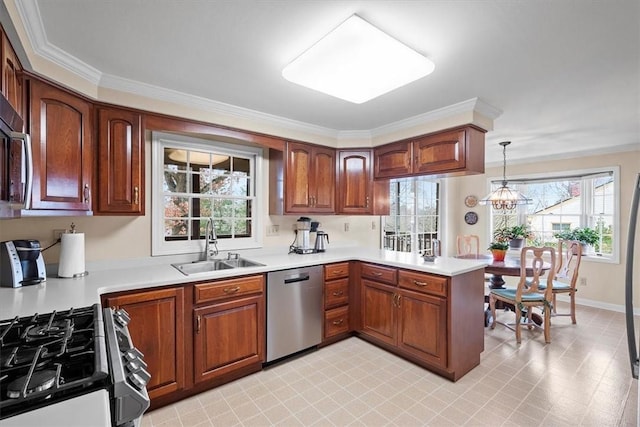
(581, 378)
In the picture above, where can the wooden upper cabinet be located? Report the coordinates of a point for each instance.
(61, 135)
(120, 163)
(304, 182)
(393, 160)
(12, 82)
(358, 194)
(457, 151)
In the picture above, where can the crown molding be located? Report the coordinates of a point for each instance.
(30, 15)
(32, 21)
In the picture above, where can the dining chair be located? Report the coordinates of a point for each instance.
(468, 244)
(566, 275)
(528, 294)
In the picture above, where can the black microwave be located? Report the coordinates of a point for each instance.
(16, 163)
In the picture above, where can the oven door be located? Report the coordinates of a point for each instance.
(16, 172)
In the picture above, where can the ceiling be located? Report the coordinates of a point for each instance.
(565, 74)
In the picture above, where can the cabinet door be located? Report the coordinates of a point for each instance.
(62, 149)
(393, 160)
(11, 80)
(310, 179)
(157, 330)
(445, 151)
(354, 182)
(228, 336)
(121, 162)
(324, 180)
(379, 312)
(422, 329)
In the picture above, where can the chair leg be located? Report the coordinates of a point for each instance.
(547, 325)
(518, 317)
(555, 311)
(492, 307)
(572, 295)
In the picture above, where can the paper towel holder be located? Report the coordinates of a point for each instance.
(66, 256)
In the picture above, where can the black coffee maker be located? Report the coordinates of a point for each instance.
(21, 263)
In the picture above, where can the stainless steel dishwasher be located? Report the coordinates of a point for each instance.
(294, 310)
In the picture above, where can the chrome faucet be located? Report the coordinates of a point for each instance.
(210, 238)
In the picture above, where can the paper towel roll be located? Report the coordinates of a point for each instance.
(71, 255)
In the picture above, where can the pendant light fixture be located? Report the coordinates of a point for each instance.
(505, 198)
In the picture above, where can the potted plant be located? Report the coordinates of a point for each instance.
(585, 235)
(515, 235)
(498, 250)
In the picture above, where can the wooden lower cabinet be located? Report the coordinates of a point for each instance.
(422, 326)
(228, 336)
(336, 301)
(229, 326)
(157, 330)
(433, 320)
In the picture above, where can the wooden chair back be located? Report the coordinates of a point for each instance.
(534, 257)
(568, 263)
(468, 244)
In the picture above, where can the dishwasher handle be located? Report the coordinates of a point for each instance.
(294, 278)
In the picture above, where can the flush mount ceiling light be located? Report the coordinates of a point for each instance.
(357, 62)
(505, 197)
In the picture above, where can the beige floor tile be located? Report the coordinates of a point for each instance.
(575, 380)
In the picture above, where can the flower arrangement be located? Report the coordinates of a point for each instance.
(498, 245)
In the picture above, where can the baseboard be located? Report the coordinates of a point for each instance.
(599, 304)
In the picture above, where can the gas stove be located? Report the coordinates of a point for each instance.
(50, 358)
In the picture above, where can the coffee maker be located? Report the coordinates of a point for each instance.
(21, 263)
(302, 242)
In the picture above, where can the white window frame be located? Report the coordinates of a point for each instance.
(413, 232)
(585, 213)
(159, 246)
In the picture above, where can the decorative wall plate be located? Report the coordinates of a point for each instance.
(471, 218)
(470, 201)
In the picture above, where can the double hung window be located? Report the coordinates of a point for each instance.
(196, 181)
(574, 199)
(414, 219)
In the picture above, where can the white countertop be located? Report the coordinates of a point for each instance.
(114, 276)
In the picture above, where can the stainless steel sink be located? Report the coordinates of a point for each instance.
(241, 262)
(198, 267)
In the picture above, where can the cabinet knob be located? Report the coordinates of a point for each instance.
(136, 195)
(87, 193)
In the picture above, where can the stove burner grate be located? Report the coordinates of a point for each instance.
(37, 382)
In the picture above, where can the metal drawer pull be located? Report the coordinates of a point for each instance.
(377, 273)
(415, 282)
(231, 290)
(87, 193)
(338, 322)
(337, 272)
(136, 195)
(337, 293)
(198, 321)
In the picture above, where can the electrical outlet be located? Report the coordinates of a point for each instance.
(346, 226)
(273, 230)
(583, 281)
(57, 234)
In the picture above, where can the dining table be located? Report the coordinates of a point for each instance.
(510, 266)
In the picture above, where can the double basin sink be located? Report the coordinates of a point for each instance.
(196, 267)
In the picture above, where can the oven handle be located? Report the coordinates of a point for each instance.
(28, 187)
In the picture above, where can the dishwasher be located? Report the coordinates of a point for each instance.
(294, 310)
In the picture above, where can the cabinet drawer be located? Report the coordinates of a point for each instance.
(380, 274)
(213, 291)
(336, 293)
(336, 321)
(422, 282)
(336, 271)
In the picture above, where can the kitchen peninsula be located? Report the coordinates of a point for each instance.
(427, 312)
